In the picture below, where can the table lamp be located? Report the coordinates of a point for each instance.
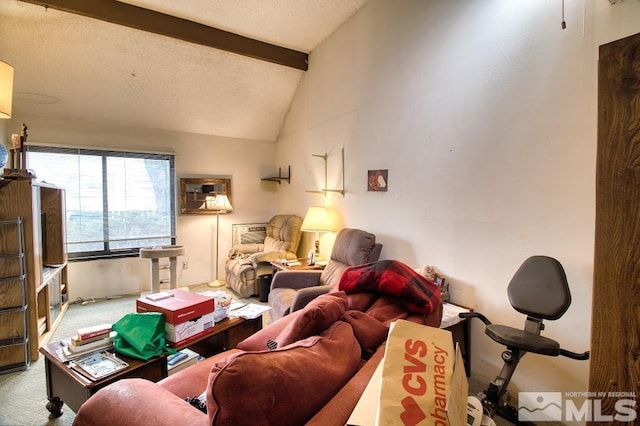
(317, 220)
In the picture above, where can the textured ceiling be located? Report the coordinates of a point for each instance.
(72, 67)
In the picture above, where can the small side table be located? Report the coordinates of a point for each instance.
(279, 266)
(459, 328)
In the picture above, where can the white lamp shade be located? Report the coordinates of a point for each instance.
(317, 219)
(220, 203)
(6, 89)
(208, 202)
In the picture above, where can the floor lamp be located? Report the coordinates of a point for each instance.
(221, 205)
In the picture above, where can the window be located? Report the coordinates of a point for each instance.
(116, 202)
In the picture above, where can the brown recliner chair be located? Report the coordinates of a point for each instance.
(246, 262)
(292, 290)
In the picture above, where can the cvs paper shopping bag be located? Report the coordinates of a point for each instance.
(418, 386)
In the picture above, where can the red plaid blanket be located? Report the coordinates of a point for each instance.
(415, 292)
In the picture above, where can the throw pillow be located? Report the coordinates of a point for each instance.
(314, 318)
(286, 386)
(258, 341)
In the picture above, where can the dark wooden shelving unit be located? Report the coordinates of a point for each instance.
(41, 208)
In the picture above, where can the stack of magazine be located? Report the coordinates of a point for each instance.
(86, 341)
(98, 365)
(247, 311)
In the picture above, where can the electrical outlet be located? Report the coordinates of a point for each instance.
(185, 264)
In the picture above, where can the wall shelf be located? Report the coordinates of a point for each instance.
(279, 178)
(324, 189)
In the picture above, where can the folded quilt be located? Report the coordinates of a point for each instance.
(413, 291)
(252, 258)
(271, 256)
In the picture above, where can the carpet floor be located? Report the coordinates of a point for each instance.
(24, 393)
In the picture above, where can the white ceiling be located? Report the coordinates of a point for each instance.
(72, 67)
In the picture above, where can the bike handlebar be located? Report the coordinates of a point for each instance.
(581, 357)
(475, 315)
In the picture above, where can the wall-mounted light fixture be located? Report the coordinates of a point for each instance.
(6, 89)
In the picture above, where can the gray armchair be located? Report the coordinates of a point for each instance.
(292, 290)
(246, 262)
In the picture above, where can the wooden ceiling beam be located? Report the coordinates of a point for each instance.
(182, 29)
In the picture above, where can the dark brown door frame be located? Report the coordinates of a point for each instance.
(615, 331)
(159, 23)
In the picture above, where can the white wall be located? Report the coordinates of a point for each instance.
(244, 161)
(484, 113)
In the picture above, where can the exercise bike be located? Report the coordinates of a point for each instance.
(539, 289)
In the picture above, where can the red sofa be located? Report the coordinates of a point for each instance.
(309, 367)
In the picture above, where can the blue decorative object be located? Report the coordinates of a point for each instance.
(4, 156)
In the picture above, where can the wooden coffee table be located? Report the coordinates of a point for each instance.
(65, 385)
(225, 335)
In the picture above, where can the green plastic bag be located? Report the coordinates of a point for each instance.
(140, 335)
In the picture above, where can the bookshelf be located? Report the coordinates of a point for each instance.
(42, 209)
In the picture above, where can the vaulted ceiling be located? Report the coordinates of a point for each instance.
(74, 67)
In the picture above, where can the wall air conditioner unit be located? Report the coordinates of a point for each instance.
(249, 233)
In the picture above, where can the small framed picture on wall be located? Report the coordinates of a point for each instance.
(377, 180)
